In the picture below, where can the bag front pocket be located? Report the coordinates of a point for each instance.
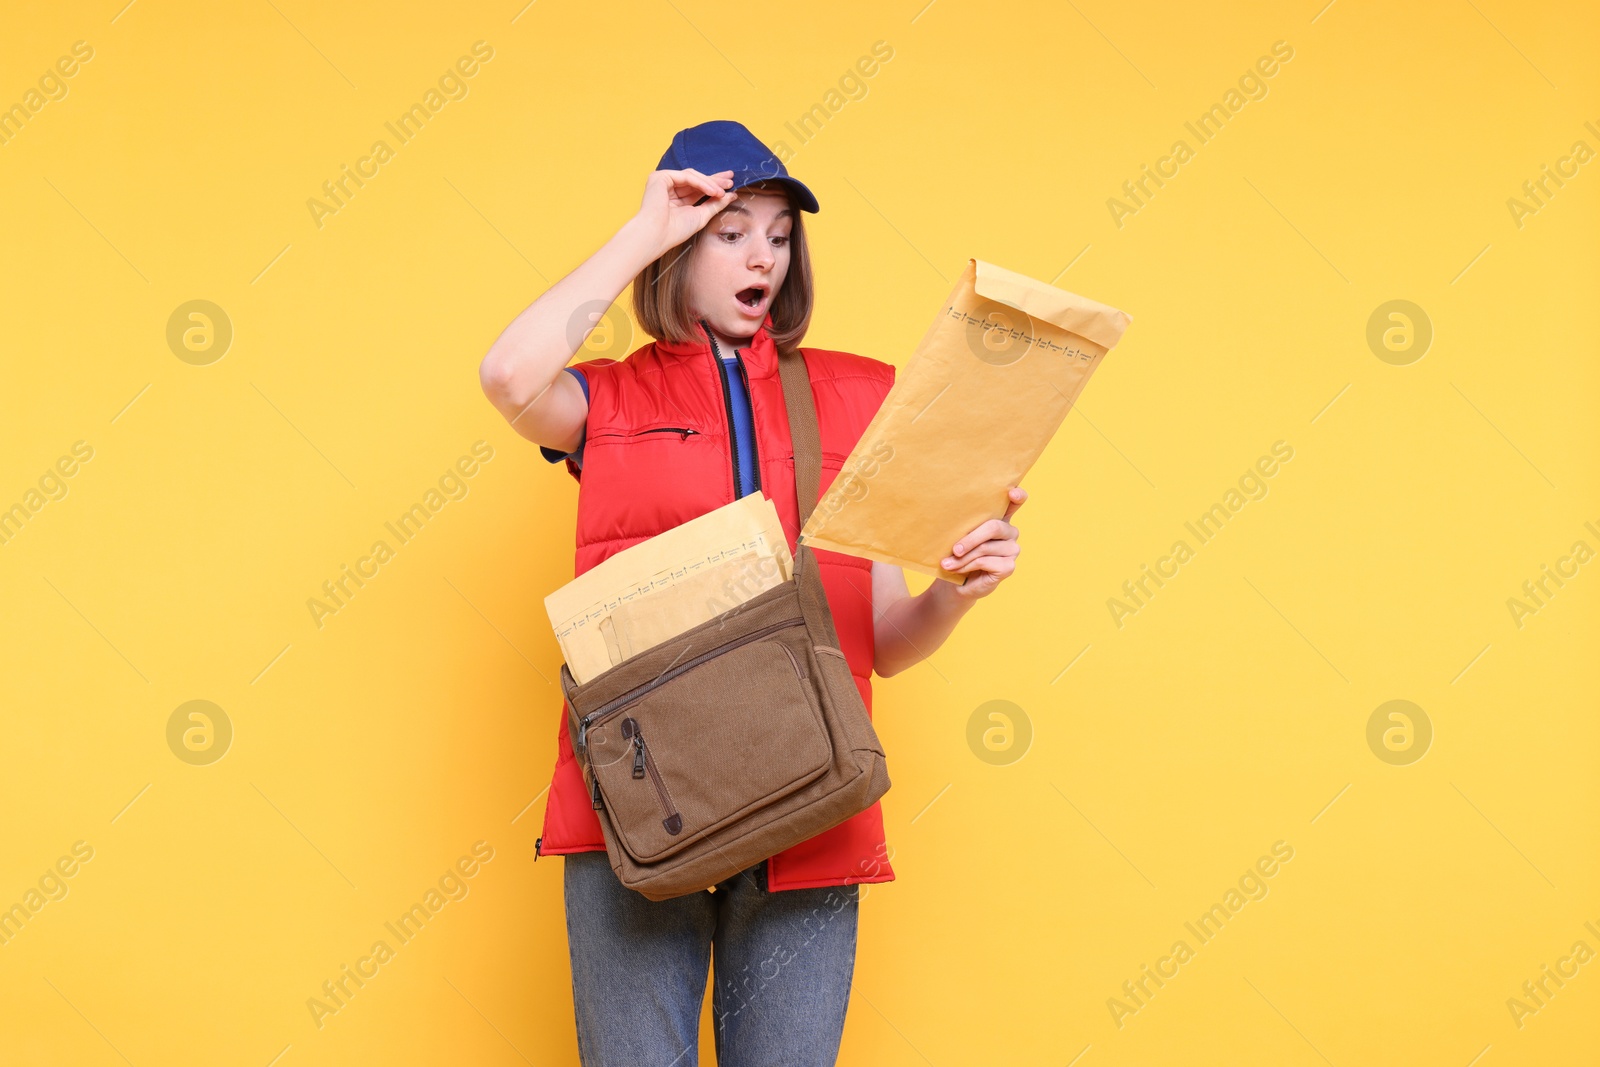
(703, 746)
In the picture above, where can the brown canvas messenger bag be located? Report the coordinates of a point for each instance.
(738, 738)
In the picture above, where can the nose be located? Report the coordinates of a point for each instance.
(761, 256)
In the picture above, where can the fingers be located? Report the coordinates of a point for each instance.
(1016, 497)
(975, 559)
(988, 555)
(714, 185)
(994, 529)
(1000, 566)
(723, 200)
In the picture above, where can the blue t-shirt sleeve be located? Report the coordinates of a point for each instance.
(577, 457)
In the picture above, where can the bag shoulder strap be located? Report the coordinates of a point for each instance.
(801, 404)
(804, 434)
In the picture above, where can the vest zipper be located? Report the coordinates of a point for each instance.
(727, 403)
(616, 704)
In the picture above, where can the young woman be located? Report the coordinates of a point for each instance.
(722, 279)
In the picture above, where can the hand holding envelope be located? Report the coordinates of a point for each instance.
(971, 412)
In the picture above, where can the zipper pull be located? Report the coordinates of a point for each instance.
(583, 734)
(638, 754)
(599, 804)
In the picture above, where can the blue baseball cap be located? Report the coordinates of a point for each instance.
(713, 147)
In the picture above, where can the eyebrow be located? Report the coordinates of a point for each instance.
(740, 209)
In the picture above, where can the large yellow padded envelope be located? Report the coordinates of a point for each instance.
(973, 409)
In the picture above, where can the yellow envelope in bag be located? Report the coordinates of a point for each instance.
(973, 409)
(636, 625)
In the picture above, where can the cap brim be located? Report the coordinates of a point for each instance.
(803, 197)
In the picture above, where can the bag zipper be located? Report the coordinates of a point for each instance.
(672, 820)
(616, 704)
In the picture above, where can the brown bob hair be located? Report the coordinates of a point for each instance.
(661, 290)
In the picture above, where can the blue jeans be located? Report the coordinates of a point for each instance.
(784, 963)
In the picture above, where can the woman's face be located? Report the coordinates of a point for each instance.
(740, 263)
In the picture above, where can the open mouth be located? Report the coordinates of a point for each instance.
(752, 297)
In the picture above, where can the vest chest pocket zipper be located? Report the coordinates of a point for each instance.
(683, 432)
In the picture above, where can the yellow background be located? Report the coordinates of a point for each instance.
(1228, 714)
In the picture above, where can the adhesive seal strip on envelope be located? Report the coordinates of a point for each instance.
(973, 409)
(661, 587)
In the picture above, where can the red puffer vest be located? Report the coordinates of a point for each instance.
(658, 453)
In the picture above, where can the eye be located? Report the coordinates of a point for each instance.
(780, 241)
(730, 235)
